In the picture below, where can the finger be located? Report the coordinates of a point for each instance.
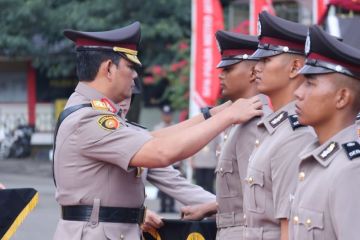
(257, 105)
(255, 99)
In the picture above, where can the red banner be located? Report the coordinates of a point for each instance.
(207, 19)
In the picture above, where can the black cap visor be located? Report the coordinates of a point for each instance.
(310, 69)
(227, 62)
(263, 53)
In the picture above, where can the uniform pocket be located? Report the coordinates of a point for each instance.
(224, 172)
(308, 224)
(255, 182)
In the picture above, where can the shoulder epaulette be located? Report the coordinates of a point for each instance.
(352, 149)
(275, 121)
(135, 124)
(294, 122)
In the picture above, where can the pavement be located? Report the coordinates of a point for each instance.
(41, 222)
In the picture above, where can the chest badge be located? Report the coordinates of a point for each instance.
(108, 122)
(329, 150)
(352, 149)
(278, 119)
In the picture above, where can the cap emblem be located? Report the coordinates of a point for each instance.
(218, 45)
(285, 49)
(307, 44)
(245, 56)
(259, 28)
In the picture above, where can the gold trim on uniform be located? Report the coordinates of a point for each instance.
(99, 105)
(108, 122)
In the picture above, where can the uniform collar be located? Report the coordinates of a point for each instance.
(92, 94)
(272, 121)
(326, 153)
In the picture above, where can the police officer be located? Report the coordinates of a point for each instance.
(98, 158)
(326, 203)
(273, 163)
(238, 81)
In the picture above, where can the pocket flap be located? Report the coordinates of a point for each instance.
(311, 219)
(224, 167)
(255, 177)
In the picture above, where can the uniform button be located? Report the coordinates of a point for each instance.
(250, 180)
(221, 170)
(225, 137)
(301, 176)
(296, 220)
(308, 222)
(244, 216)
(122, 237)
(257, 142)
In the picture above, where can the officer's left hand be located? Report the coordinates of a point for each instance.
(152, 220)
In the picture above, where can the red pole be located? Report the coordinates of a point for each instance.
(31, 93)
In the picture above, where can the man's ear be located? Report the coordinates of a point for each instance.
(343, 97)
(106, 69)
(296, 65)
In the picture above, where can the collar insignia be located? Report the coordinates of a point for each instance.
(295, 122)
(109, 105)
(329, 150)
(278, 119)
(99, 105)
(352, 149)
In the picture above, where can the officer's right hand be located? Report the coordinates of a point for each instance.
(242, 110)
(152, 220)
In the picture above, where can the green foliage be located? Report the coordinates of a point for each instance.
(33, 28)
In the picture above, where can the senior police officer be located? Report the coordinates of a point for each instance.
(273, 163)
(98, 158)
(326, 203)
(238, 81)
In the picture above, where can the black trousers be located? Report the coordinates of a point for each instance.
(204, 177)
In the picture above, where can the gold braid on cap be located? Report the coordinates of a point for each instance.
(130, 54)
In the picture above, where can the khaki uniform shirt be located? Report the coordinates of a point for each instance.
(326, 204)
(271, 170)
(92, 163)
(233, 161)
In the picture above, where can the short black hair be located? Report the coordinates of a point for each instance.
(88, 63)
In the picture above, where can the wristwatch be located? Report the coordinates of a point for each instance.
(206, 112)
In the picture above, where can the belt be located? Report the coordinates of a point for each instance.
(106, 214)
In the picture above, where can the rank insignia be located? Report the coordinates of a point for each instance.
(329, 150)
(99, 105)
(108, 122)
(295, 122)
(278, 119)
(109, 105)
(352, 149)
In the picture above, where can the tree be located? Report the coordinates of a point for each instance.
(33, 28)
